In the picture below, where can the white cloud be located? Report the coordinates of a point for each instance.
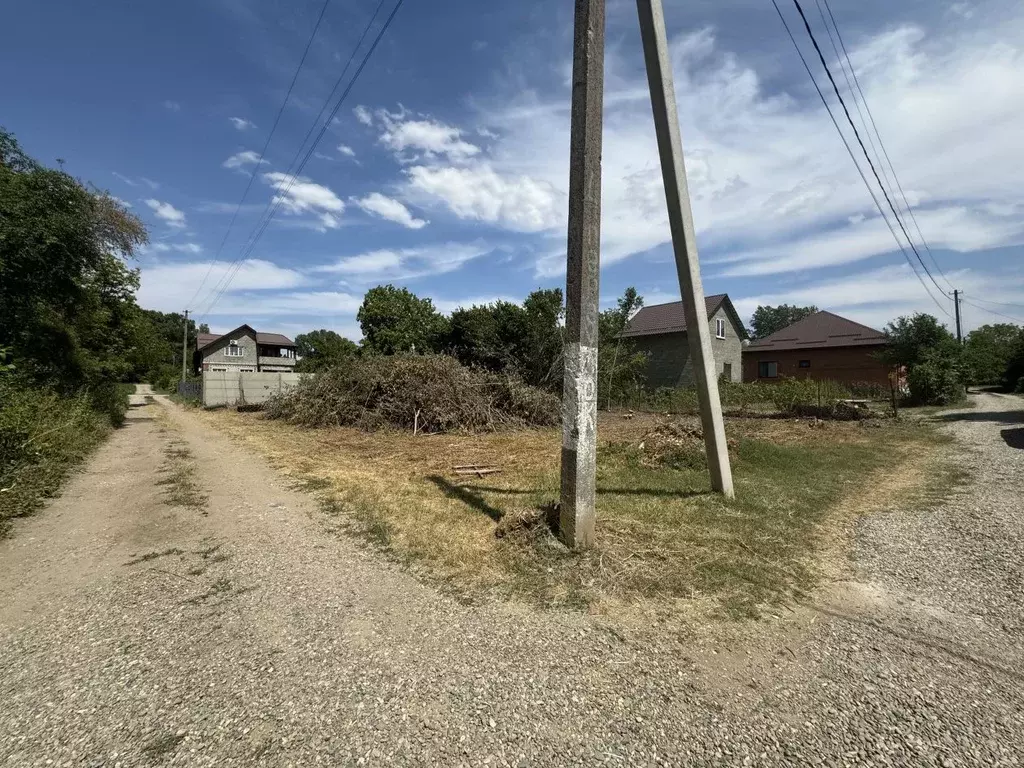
(430, 137)
(154, 185)
(171, 285)
(193, 248)
(240, 160)
(767, 173)
(298, 195)
(363, 115)
(172, 106)
(346, 150)
(167, 213)
(390, 209)
(478, 192)
(878, 296)
(121, 202)
(407, 263)
(241, 123)
(125, 179)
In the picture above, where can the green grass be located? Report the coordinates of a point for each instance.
(177, 476)
(43, 438)
(662, 533)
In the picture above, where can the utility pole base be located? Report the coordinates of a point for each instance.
(579, 447)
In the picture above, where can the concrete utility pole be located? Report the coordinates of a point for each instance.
(956, 304)
(184, 349)
(579, 402)
(684, 240)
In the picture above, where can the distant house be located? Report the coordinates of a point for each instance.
(244, 350)
(821, 346)
(660, 331)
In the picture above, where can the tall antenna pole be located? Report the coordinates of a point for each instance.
(583, 257)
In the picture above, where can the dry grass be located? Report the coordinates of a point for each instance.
(663, 538)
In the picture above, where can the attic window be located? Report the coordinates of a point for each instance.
(233, 350)
(719, 329)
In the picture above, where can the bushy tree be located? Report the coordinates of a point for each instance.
(621, 368)
(396, 320)
(988, 350)
(911, 338)
(67, 307)
(768, 319)
(322, 349)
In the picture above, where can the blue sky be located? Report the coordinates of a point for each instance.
(447, 169)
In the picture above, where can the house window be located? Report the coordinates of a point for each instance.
(805, 363)
(767, 370)
(720, 329)
(233, 350)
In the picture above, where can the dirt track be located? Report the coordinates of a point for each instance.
(247, 633)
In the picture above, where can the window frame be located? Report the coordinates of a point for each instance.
(803, 364)
(763, 365)
(719, 328)
(239, 351)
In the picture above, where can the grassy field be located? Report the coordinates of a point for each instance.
(664, 539)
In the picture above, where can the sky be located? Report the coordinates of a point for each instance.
(446, 168)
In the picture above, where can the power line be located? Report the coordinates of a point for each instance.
(860, 141)
(853, 157)
(1000, 303)
(263, 152)
(992, 311)
(881, 144)
(279, 198)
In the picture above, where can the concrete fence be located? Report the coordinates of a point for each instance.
(237, 388)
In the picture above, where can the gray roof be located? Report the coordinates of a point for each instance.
(817, 331)
(270, 339)
(669, 318)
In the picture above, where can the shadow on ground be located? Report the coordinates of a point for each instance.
(1014, 437)
(999, 417)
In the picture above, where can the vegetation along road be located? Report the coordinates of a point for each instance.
(181, 604)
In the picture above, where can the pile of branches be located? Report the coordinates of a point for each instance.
(431, 393)
(675, 445)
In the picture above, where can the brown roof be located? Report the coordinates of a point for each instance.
(822, 329)
(270, 339)
(669, 318)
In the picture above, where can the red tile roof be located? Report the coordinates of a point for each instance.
(667, 318)
(820, 330)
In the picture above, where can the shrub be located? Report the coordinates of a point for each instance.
(43, 435)
(433, 393)
(934, 382)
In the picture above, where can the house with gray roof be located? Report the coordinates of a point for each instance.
(660, 331)
(245, 350)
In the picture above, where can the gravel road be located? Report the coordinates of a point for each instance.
(246, 633)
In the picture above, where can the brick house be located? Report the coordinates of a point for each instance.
(660, 331)
(821, 346)
(244, 350)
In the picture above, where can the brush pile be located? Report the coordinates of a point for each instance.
(430, 393)
(675, 445)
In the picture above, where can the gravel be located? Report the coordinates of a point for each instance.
(270, 641)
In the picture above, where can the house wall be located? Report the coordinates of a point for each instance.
(235, 388)
(216, 357)
(850, 365)
(669, 365)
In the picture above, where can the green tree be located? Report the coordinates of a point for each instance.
(541, 359)
(911, 338)
(621, 369)
(396, 320)
(66, 294)
(322, 349)
(492, 336)
(767, 319)
(988, 351)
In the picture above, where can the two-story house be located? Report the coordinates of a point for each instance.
(660, 331)
(244, 350)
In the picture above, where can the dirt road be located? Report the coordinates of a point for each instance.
(240, 629)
